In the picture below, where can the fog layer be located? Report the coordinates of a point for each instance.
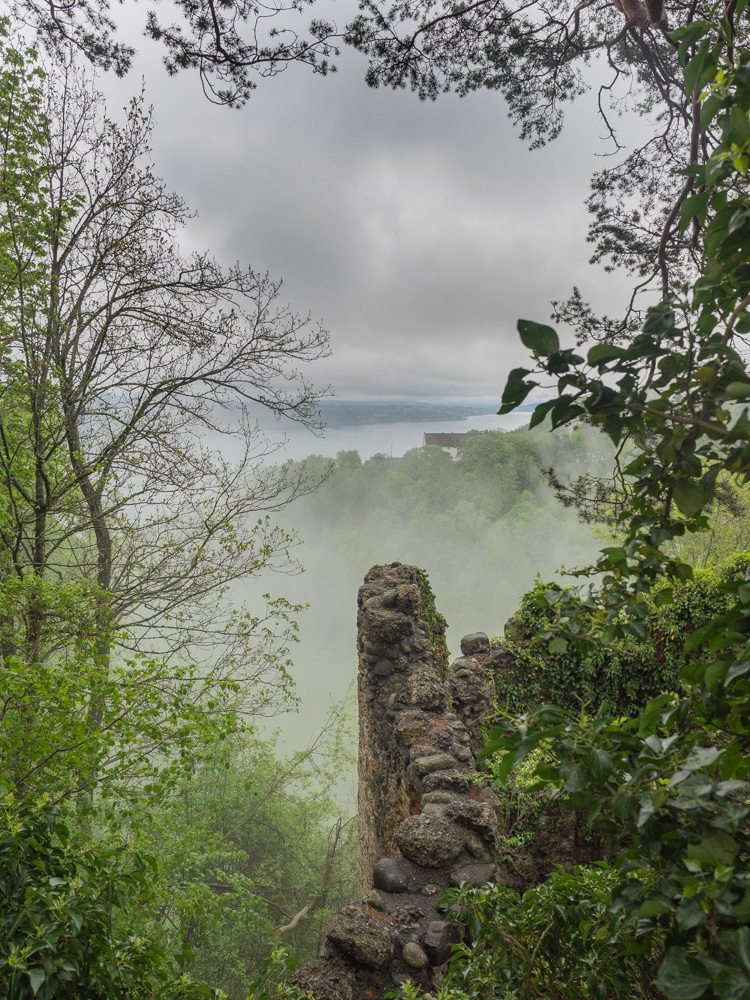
(482, 527)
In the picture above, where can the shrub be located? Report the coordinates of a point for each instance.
(61, 917)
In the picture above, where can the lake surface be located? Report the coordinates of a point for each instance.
(392, 439)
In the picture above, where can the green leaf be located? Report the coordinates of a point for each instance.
(690, 914)
(574, 777)
(655, 906)
(682, 977)
(36, 978)
(604, 352)
(715, 849)
(695, 67)
(690, 32)
(694, 207)
(739, 942)
(710, 106)
(516, 389)
(663, 597)
(540, 412)
(702, 757)
(624, 805)
(737, 669)
(601, 764)
(540, 339)
(558, 645)
(739, 126)
(659, 321)
(689, 497)
(738, 390)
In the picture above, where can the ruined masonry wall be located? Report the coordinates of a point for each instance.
(424, 822)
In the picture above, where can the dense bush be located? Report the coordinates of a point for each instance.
(252, 839)
(564, 940)
(63, 931)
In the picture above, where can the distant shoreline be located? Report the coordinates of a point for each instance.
(357, 413)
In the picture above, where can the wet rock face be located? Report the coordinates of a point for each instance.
(424, 824)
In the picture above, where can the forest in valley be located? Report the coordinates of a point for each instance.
(159, 837)
(485, 525)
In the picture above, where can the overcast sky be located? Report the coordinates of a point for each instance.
(418, 233)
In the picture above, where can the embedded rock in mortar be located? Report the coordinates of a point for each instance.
(413, 955)
(477, 816)
(407, 916)
(448, 781)
(439, 941)
(429, 841)
(412, 726)
(425, 691)
(474, 875)
(357, 935)
(475, 642)
(408, 598)
(473, 844)
(442, 798)
(468, 683)
(386, 628)
(431, 761)
(388, 876)
(472, 689)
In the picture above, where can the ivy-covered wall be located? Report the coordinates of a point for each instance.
(624, 675)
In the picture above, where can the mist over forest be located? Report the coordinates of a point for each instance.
(482, 527)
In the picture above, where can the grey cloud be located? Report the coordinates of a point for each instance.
(417, 233)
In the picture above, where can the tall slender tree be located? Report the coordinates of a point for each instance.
(124, 363)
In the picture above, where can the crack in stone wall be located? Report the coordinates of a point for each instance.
(425, 822)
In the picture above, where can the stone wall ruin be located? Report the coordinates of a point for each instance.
(425, 821)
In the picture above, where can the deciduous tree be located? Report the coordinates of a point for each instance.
(124, 364)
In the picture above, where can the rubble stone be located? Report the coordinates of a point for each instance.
(354, 931)
(414, 956)
(430, 841)
(475, 642)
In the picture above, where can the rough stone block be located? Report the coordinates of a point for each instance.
(475, 642)
(429, 841)
(407, 916)
(424, 690)
(441, 798)
(354, 932)
(474, 845)
(435, 762)
(414, 956)
(439, 940)
(388, 876)
(450, 781)
(478, 816)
